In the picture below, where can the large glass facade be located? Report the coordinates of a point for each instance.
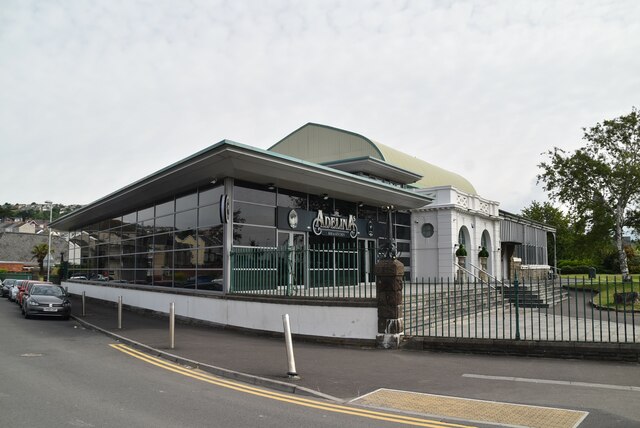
(178, 242)
(174, 243)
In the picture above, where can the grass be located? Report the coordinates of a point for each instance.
(606, 286)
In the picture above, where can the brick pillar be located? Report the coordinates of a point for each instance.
(389, 273)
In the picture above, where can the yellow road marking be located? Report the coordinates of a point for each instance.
(389, 417)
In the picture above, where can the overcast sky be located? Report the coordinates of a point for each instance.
(97, 94)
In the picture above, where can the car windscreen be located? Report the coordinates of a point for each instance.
(46, 290)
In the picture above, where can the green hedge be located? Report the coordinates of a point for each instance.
(575, 270)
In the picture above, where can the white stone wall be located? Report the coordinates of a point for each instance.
(322, 321)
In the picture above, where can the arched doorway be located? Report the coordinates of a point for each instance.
(485, 242)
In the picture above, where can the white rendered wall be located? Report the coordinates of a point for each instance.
(323, 321)
(451, 210)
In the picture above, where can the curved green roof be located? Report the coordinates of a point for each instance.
(321, 144)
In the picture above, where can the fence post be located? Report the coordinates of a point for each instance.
(515, 285)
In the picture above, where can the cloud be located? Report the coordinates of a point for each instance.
(98, 94)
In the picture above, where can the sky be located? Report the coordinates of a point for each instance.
(97, 94)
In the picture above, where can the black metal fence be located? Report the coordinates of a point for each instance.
(550, 310)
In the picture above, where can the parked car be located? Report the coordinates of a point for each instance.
(46, 299)
(6, 287)
(24, 287)
(15, 289)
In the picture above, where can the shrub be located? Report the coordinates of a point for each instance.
(461, 252)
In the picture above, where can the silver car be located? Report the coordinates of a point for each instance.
(45, 299)
(14, 290)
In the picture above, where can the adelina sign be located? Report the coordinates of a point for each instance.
(334, 226)
(319, 223)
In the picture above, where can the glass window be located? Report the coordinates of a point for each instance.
(129, 218)
(210, 280)
(292, 199)
(254, 193)
(211, 196)
(254, 214)
(368, 212)
(164, 224)
(143, 261)
(403, 232)
(209, 215)
(187, 220)
(143, 244)
(461, 239)
(145, 214)
(345, 208)
(146, 228)
(186, 239)
(254, 236)
(163, 242)
(185, 259)
(187, 202)
(209, 258)
(129, 231)
(128, 262)
(427, 230)
(317, 203)
(184, 278)
(162, 260)
(164, 208)
(210, 236)
(403, 218)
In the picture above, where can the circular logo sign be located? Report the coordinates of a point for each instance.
(292, 218)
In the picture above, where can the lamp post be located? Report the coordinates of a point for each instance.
(49, 245)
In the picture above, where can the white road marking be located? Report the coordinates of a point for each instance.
(555, 382)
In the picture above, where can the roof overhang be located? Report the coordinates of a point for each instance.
(230, 159)
(523, 220)
(375, 167)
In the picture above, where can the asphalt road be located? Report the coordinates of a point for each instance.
(54, 373)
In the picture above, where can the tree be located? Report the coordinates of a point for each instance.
(565, 234)
(40, 252)
(600, 181)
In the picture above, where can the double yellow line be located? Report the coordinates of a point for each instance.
(300, 401)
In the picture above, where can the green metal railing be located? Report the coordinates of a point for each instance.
(317, 271)
(15, 275)
(548, 310)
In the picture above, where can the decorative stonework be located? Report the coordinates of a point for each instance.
(463, 200)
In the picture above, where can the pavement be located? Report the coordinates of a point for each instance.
(391, 379)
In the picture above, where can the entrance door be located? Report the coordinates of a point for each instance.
(292, 263)
(366, 259)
